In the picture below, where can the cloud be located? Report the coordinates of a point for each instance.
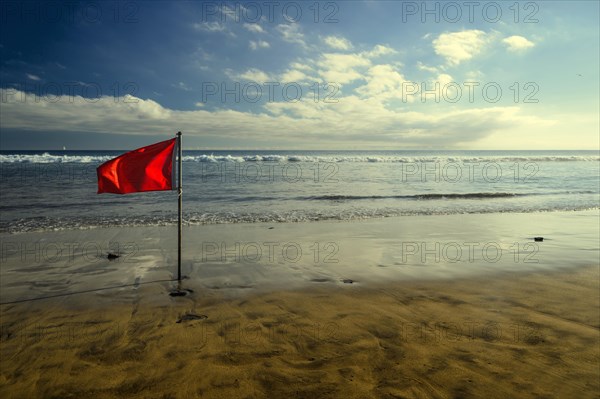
(255, 75)
(350, 121)
(255, 45)
(474, 75)
(517, 43)
(444, 79)
(33, 77)
(450, 92)
(461, 46)
(380, 50)
(338, 43)
(292, 75)
(255, 28)
(342, 68)
(182, 86)
(302, 66)
(79, 82)
(291, 33)
(212, 26)
(423, 67)
(383, 82)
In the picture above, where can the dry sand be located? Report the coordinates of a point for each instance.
(531, 336)
(277, 329)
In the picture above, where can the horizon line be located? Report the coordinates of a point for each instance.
(318, 150)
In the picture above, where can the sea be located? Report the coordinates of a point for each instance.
(55, 190)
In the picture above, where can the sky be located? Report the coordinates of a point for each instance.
(520, 75)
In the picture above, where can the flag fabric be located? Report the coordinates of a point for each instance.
(148, 168)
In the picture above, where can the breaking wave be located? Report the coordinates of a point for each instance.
(47, 157)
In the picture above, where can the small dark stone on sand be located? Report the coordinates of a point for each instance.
(538, 238)
(181, 292)
(347, 281)
(112, 256)
(191, 316)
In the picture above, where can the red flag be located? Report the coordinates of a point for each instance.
(145, 169)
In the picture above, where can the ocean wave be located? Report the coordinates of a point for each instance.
(48, 158)
(40, 224)
(277, 158)
(335, 197)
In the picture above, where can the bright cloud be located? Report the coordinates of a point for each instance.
(255, 28)
(291, 33)
(342, 68)
(255, 75)
(302, 66)
(352, 119)
(383, 81)
(461, 46)
(338, 43)
(423, 67)
(380, 50)
(293, 75)
(444, 79)
(517, 43)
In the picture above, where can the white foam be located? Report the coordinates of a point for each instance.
(48, 158)
(96, 159)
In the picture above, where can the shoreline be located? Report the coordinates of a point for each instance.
(245, 258)
(7, 233)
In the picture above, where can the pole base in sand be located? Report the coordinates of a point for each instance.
(180, 291)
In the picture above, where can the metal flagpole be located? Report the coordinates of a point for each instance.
(179, 193)
(178, 291)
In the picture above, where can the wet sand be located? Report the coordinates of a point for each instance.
(498, 331)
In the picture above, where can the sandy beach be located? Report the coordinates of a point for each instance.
(381, 322)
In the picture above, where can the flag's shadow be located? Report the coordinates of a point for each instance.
(135, 284)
